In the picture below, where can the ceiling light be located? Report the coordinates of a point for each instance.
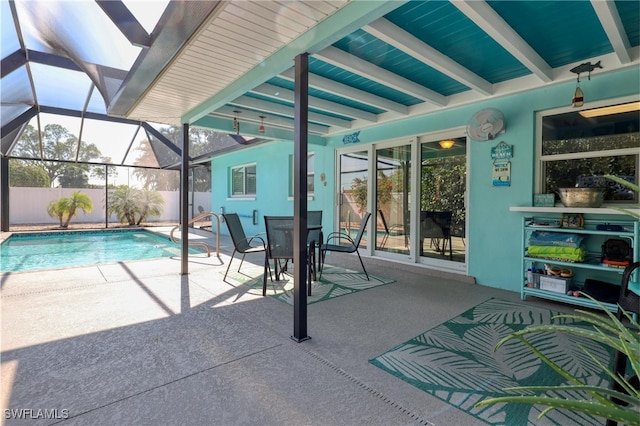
(614, 109)
(261, 128)
(446, 144)
(236, 122)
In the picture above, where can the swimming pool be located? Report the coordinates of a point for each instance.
(47, 250)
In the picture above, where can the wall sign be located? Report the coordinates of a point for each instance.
(502, 173)
(352, 138)
(502, 151)
(501, 164)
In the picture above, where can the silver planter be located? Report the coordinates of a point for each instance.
(581, 197)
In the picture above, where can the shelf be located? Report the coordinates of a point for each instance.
(559, 297)
(600, 210)
(592, 266)
(628, 234)
(631, 232)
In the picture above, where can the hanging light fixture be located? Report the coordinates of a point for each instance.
(578, 96)
(261, 128)
(236, 122)
(447, 143)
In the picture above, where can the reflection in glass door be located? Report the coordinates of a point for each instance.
(442, 207)
(393, 192)
(354, 167)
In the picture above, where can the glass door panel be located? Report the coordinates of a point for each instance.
(393, 193)
(442, 208)
(354, 197)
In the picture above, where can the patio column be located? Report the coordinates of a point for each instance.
(184, 201)
(4, 193)
(300, 140)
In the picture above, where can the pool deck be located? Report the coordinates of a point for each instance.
(138, 343)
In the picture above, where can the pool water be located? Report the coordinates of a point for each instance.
(36, 251)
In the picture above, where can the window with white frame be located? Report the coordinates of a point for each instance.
(577, 148)
(310, 174)
(243, 180)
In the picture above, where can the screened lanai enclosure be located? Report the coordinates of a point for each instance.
(63, 64)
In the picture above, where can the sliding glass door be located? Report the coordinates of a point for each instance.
(427, 225)
(393, 195)
(354, 193)
(443, 176)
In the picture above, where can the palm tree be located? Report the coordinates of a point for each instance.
(57, 208)
(124, 203)
(77, 201)
(150, 204)
(132, 205)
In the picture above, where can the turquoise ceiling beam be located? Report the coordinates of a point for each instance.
(342, 23)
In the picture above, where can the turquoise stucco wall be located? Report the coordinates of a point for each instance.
(272, 180)
(494, 232)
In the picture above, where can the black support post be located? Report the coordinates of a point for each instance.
(184, 201)
(300, 149)
(4, 194)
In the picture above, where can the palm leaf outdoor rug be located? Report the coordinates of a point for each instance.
(335, 282)
(456, 363)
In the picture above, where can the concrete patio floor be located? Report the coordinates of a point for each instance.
(137, 343)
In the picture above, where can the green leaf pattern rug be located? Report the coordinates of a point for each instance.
(456, 362)
(335, 282)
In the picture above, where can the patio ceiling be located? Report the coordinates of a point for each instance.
(370, 61)
(374, 62)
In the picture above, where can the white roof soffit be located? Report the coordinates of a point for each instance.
(243, 44)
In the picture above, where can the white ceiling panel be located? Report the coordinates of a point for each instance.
(238, 37)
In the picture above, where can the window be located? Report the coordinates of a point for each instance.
(243, 180)
(577, 148)
(310, 174)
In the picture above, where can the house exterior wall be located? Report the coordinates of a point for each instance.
(494, 238)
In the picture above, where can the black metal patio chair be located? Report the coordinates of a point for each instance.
(394, 229)
(630, 302)
(280, 247)
(351, 245)
(242, 243)
(314, 237)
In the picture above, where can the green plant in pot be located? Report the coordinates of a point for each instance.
(599, 401)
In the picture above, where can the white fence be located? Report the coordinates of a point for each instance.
(29, 205)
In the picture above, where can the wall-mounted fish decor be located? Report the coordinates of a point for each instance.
(585, 67)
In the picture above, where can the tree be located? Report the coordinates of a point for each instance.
(57, 208)
(74, 176)
(201, 142)
(123, 203)
(150, 204)
(57, 144)
(68, 207)
(132, 206)
(23, 174)
(78, 201)
(385, 187)
(443, 185)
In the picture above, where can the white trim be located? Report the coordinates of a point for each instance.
(244, 174)
(584, 210)
(241, 198)
(539, 159)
